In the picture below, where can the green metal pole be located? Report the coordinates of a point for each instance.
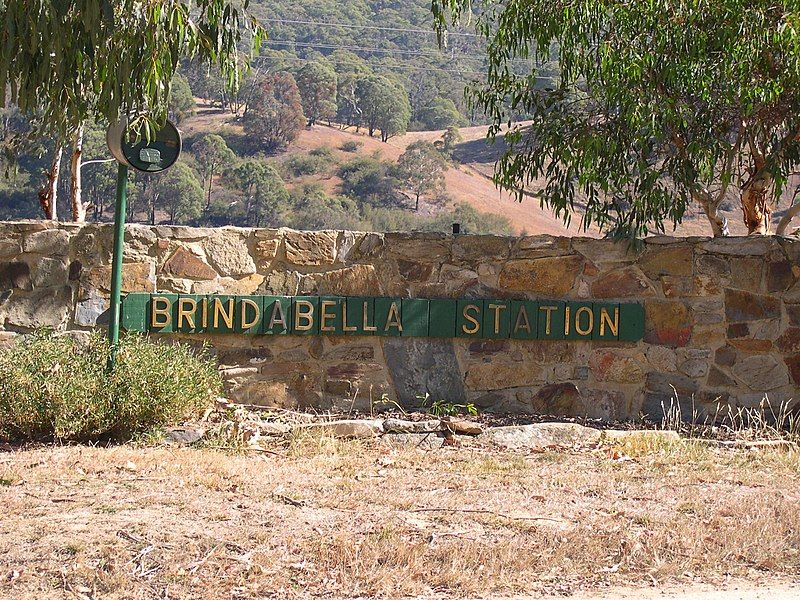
(116, 264)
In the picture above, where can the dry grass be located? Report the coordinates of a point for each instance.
(335, 519)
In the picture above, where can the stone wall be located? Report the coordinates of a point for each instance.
(722, 315)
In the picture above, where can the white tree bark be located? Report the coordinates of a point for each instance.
(48, 194)
(76, 189)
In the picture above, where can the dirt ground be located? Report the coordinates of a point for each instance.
(316, 517)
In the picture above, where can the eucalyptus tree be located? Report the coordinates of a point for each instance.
(66, 62)
(658, 105)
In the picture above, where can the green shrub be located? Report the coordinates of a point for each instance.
(56, 387)
(306, 164)
(350, 146)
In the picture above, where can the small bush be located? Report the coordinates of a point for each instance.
(55, 387)
(306, 164)
(323, 151)
(350, 146)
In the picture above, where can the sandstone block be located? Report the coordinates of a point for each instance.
(50, 272)
(185, 264)
(51, 242)
(793, 364)
(746, 306)
(667, 322)
(558, 399)
(481, 248)
(674, 260)
(541, 435)
(227, 250)
(761, 372)
(539, 246)
(499, 375)
(431, 247)
(789, 342)
(357, 280)
(461, 426)
(413, 271)
(552, 276)
(136, 277)
(89, 311)
(622, 283)
(313, 248)
(44, 308)
(740, 246)
(613, 365)
(402, 426)
(606, 251)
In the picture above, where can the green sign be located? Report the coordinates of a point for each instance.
(407, 317)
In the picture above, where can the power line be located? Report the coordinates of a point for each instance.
(354, 26)
(384, 65)
(385, 51)
(433, 54)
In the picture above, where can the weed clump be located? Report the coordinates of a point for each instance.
(58, 388)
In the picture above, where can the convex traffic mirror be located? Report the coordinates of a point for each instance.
(151, 156)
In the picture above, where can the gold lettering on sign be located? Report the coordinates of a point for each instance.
(204, 312)
(277, 317)
(566, 320)
(186, 308)
(367, 326)
(393, 318)
(307, 316)
(584, 310)
(522, 321)
(246, 302)
(325, 316)
(345, 326)
(606, 318)
(225, 313)
(476, 325)
(497, 308)
(160, 307)
(548, 320)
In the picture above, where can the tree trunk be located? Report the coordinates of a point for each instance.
(719, 224)
(755, 207)
(794, 210)
(416, 207)
(78, 207)
(210, 183)
(48, 194)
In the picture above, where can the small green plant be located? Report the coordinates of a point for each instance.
(57, 387)
(442, 408)
(384, 400)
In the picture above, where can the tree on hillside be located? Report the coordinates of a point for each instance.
(275, 116)
(177, 191)
(316, 82)
(450, 138)
(181, 99)
(659, 104)
(383, 105)
(213, 155)
(63, 63)
(440, 113)
(349, 68)
(422, 169)
(370, 180)
(263, 189)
